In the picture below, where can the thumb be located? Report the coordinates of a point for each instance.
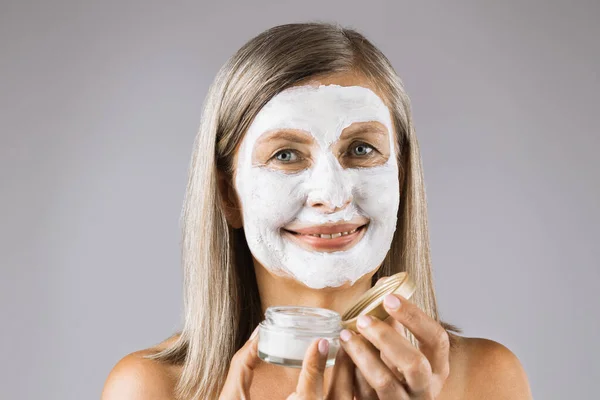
(241, 370)
(310, 382)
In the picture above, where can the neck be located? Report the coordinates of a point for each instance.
(285, 291)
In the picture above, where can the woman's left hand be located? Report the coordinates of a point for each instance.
(387, 363)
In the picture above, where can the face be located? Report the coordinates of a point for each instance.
(317, 178)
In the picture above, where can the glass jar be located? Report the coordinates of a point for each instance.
(288, 331)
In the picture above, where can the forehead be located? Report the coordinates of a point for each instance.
(323, 111)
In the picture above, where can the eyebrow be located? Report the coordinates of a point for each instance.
(285, 134)
(363, 128)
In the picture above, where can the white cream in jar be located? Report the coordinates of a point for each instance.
(287, 332)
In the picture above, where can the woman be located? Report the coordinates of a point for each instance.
(305, 188)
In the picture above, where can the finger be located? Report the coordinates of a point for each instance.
(241, 369)
(392, 366)
(310, 382)
(362, 389)
(396, 325)
(342, 377)
(433, 338)
(367, 360)
(413, 364)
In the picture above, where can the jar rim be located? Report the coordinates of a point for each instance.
(305, 319)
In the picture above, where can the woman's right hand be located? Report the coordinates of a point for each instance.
(310, 383)
(241, 370)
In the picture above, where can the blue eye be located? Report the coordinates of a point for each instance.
(361, 149)
(286, 156)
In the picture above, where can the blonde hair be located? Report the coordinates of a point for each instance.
(221, 299)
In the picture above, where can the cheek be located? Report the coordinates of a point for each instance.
(377, 192)
(271, 198)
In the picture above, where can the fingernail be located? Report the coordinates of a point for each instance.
(345, 335)
(323, 347)
(391, 302)
(363, 321)
(254, 333)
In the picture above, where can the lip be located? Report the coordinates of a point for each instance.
(307, 238)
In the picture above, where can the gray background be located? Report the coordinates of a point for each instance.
(100, 102)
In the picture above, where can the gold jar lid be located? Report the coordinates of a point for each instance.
(371, 302)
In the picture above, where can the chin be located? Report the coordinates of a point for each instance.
(329, 269)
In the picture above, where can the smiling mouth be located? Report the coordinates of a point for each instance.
(327, 238)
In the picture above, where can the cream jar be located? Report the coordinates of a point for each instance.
(288, 331)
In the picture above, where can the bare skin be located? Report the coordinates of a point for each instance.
(479, 369)
(368, 366)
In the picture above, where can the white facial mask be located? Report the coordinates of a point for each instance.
(272, 199)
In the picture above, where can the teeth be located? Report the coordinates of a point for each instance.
(332, 235)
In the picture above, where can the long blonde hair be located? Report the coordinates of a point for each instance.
(221, 298)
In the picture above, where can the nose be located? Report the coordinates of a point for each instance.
(330, 190)
(326, 206)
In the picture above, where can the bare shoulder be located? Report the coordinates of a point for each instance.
(137, 377)
(493, 371)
